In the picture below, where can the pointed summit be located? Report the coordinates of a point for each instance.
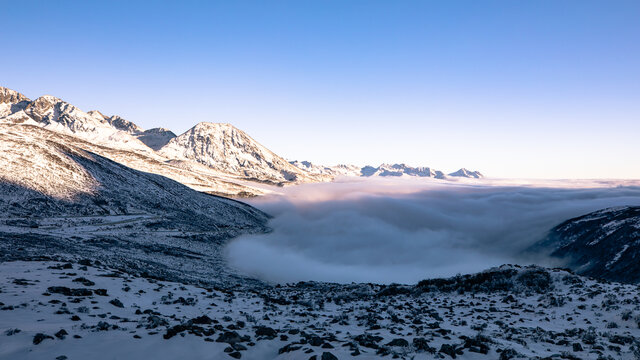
(8, 96)
(467, 174)
(226, 148)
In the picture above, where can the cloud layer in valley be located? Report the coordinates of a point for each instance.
(406, 230)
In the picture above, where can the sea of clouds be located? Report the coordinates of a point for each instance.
(406, 230)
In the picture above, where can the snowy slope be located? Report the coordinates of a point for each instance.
(86, 310)
(225, 148)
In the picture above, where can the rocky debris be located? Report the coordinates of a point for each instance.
(575, 318)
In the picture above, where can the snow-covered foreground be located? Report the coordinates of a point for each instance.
(55, 310)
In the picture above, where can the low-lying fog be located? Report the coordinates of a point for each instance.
(405, 230)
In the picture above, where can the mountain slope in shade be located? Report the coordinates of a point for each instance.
(225, 148)
(603, 244)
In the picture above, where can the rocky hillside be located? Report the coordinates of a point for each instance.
(227, 149)
(603, 244)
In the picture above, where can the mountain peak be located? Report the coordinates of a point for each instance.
(97, 114)
(210, 125)
(467, 174)
(8, 96)
(223, 147)
(49, 98)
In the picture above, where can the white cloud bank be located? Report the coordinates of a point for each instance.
(405, 230)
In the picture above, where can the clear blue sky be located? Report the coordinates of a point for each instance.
(512, 88)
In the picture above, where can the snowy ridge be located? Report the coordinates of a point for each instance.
(57, 115)
(384, 170)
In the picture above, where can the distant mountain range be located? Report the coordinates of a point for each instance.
(384, 170)
(211, 157)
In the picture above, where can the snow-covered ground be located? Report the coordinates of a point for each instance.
(57, 310)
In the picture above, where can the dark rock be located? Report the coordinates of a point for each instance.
(100, 292)
(230, 337)
(421, 344)
(398, 342)
(61, 334)
(202, 320)
(328, 356)
(289, 348)
(84, 281)
(40, 337)
(69, 292)
(266, 332)
(116, 303)
(367, 340)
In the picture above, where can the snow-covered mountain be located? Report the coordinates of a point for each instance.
(225, 148)
(467, 174)
(603, 244)
(328, 171)
(212, 157)
(401, 170)
(55, 114)
(384, 170)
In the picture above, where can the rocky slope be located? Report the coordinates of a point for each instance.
(227, 149)
(603, 244)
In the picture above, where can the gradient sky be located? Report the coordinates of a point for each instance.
(538, 89)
